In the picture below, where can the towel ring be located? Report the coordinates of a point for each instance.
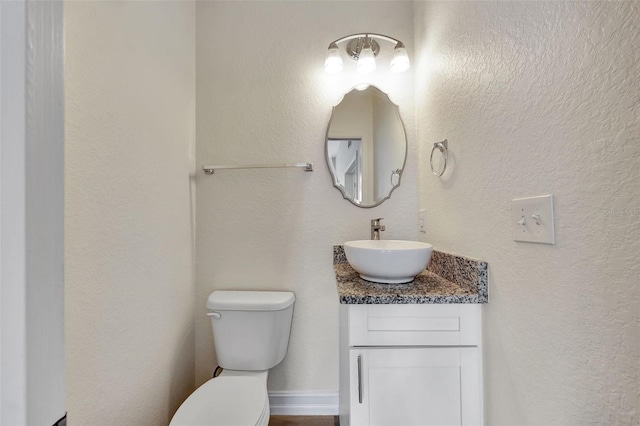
(443, 148)
(396, 172)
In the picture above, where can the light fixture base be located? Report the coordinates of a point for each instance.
(356, 45)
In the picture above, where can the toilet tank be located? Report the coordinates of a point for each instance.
(250, 328)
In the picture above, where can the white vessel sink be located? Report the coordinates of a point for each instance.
(388, 261)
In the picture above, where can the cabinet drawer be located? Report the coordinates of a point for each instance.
(414, 325)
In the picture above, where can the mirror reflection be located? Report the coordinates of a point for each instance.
(366, 146)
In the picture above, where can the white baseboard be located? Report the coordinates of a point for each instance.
(304, 403)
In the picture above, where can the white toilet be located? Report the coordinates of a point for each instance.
(251, 334)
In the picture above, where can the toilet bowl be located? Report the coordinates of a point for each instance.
(228, 400)
(251, 335)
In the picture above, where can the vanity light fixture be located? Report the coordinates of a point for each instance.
(364, 48)
(333, 63)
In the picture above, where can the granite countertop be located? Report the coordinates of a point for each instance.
(448, 279)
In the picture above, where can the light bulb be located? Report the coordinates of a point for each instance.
(400, 61)
(362, 86)
(366, 61)
(333, 62)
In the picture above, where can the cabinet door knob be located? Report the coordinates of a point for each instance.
(360, 379)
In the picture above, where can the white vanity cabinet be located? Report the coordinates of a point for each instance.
(410, 365)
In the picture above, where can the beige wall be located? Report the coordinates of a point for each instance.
(130, 122)
(536, 98)
(263, 97)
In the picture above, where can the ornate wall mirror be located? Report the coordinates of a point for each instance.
(366, 146)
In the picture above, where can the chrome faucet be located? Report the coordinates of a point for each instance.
(376, 228)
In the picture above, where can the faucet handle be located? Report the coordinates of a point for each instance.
(376, 228)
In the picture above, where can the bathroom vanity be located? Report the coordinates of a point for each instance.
(411, 354)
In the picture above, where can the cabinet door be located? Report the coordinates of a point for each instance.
(415, 386)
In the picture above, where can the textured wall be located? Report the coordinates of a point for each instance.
(263, 97)
(536, 98)
(130, 100)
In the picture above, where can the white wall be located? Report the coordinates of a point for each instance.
(536, 98)
(31, 213)
(130, 104)
(263, 97)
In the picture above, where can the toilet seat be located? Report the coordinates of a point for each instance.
(226, 401)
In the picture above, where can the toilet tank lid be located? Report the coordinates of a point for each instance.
(226, 300)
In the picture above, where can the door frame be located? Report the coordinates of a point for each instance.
(31, 212)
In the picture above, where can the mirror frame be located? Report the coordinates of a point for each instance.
(328, 160)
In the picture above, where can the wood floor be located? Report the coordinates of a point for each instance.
(304, 421)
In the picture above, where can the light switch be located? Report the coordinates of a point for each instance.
(532, 219)
(422, 220)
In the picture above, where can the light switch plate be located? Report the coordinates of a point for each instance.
(532, 219)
